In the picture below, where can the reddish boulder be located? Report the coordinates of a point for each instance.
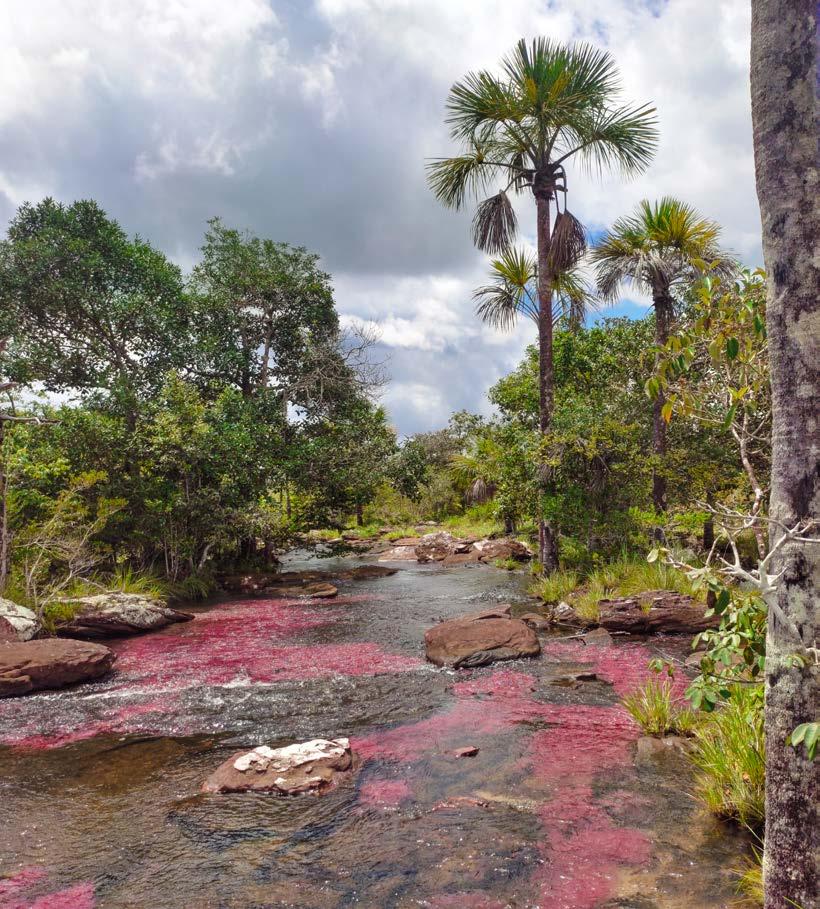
(50, 663)
(480, 638)
(536, 621)
(313, 766)
(466, 751)
(461, 558)
(490, 550)
(655, 612)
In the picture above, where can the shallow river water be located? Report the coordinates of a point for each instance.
(99, 785)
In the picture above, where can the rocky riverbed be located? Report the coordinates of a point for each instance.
(518, 784)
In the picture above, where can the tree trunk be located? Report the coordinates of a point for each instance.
(359, 514)
(784, 117)
(663, 321)
(547, 538)
(5, 534)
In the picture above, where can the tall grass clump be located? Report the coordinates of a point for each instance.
(729, 758)
(557, 586)
(655, 710)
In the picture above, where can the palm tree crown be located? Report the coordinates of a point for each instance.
(657, 248)
(513, 291)
(550, 103)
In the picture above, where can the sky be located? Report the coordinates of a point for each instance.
(310, 121)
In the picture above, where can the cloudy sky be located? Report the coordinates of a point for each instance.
(310, 121)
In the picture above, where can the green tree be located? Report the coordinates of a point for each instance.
(656, 249)
(93, 311)
(551, 103)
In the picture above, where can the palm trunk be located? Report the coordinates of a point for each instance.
(547, 538)
(663, 321)
(784, 117)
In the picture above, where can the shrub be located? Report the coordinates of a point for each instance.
(655, 710)
(729, 758)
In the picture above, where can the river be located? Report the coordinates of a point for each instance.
(560, 809)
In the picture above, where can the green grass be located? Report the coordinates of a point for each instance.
(750, 880)
(399, 533)
(624, 577)
(729, 759)
(556, 587)
(655, 710)
(194, 587)
(507, 564)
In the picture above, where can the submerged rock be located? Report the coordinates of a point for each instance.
(50, 663)
(108, 614)
(654, 612)
(17, 623)
(399, 554)
(317, 589)
(599, 637)
(480, 638)
(313, 766)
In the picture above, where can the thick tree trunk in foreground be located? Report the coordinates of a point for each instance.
(663, 322)
(547, 538)
(784, 113)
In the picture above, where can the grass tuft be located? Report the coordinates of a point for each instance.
(556, 587)
(655, 710)
(729, 759)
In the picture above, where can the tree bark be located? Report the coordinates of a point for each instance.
(784, 117)
(547, 538)
(664, 310)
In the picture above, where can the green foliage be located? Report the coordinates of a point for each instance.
(557, 586)
(807, 735)
(729, 757)
(655, 710)
(622, 577)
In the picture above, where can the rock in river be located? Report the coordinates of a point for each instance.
(50, 663)
(107, 614)
(17, 623)
(654, 612)
(480, 638)
(313, 766)
(490, 550)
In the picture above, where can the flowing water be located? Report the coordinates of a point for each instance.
(560, 809)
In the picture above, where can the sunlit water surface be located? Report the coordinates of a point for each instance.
(99, 785)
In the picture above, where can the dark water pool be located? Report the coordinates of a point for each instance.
(99, 786)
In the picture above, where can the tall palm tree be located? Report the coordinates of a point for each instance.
(513, 291)
(657, 249)
(550, 103)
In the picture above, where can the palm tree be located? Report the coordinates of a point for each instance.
(658, 249)
(550, 103)
(513, 291)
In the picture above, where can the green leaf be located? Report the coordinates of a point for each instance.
(653, 555)
(722, 601)
(732, 348)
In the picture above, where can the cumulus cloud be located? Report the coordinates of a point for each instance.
(311, 122)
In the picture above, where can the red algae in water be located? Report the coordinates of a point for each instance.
(384, 793)
(241, 641)
(15, 893)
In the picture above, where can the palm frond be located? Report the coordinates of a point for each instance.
(494, 223)
(512, 291)
(568, 243)
(574, 297)
(622, 138)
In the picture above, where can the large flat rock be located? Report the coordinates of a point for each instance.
(50, 663)
(107, 614)
(480, 638)
(313, 766)
(655, 612)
